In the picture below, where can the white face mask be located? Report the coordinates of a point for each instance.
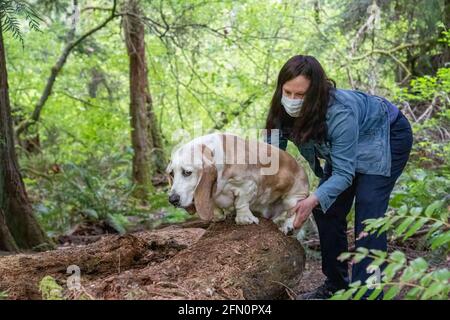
(292, 106)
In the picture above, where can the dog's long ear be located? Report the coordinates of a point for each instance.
(204, 190)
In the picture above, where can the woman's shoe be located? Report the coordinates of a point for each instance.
(321, 293)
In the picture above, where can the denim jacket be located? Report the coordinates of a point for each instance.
(358, 132)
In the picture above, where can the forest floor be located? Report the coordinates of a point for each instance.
(165, 248)
(312, 276)
(194, 260)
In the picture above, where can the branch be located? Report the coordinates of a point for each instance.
(389, 51)
(80, 100)
(57, 68)
(93, 8)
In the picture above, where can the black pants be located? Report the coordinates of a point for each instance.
(371, 194)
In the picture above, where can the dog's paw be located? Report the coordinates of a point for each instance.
(288, 226)
(246, 218)
(219, 215)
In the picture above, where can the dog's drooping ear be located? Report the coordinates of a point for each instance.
(204, 190)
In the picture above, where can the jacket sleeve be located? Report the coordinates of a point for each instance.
(343, 131)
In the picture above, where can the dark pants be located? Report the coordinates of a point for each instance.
(371, 194)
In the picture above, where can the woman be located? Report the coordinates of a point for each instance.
(365, 142)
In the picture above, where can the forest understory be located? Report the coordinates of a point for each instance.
(96, 95)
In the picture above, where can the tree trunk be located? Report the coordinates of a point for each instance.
(446, 51)
(18, 226)
(225, 261)
(145, 138)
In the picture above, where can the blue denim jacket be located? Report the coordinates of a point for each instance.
(358, 132)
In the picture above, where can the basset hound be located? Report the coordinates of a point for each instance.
(221, 173)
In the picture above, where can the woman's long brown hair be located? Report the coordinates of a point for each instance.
(310, 124)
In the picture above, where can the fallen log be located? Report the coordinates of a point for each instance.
(224, 261)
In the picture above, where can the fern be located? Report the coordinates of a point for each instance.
(416, 278)
(11, 10)
(405, 222)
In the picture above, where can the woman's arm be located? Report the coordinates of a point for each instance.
(343, 132)
(344, 138)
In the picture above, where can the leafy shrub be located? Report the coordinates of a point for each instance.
(421, 204)
(416, 277)
(98, 190)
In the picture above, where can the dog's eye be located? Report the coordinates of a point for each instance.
(186, 173)
(171, 173)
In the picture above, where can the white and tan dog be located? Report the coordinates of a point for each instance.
(217, 174)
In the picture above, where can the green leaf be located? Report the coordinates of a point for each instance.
(426, 279)
(434, 227)
(405, 224)
(414, 272)
(344, 294)
(374, 294)
(391, 270)
(363, 251)
(358, 257)
(392, 293)
(433, 290)
(118, 221)
(344, 256)
(442, 275)
(361, 291)
(440, 240)
(414, 293)
(379, 253)
(90, 213)
(402, 210)
(378, 262)
(419, 264)
(433, 207)
(416, 226)
(355, 284)
(388, 224)
(398, 256)
(416, 211)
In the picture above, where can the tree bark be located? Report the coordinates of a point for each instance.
(225, 261)
(18, 226)
(145, 138)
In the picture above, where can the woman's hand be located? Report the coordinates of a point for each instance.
(303, 210)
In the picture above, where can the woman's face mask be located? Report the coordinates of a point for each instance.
(292, 106)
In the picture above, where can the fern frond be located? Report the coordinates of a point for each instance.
(11, 11)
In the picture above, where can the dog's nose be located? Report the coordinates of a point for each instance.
(174, 199)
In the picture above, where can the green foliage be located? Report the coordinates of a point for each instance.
(50, 289)
(96, 190)
(11, 10)
(427, 88)
(416, 278)
(3, 295)
(420, 204)
(159, 202)
(215, 64)
(93, 192)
